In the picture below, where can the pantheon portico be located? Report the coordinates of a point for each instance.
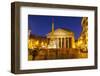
(61, 38)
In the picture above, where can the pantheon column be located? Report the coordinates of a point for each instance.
(61, 42)
(57, 42)
(64, 42)
(68, 42)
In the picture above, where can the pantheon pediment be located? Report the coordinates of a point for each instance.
(61, 32)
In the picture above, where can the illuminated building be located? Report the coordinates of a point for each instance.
(61, 38)
(59, 43)
(82, 41)
(37, 41)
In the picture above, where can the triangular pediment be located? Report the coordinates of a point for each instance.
(60, 31)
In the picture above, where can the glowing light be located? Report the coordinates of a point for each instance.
(43, 46)
(37, 42)
(30, 44)
(42, 43)
(80, 42)
(73, 46)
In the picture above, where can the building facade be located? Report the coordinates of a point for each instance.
(37, 41)
(61, 38)
(82, 41)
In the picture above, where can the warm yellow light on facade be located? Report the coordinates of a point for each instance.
(37, 42)
(30, 44)
(42, 43)
(45, 44)
(80, 42)
(83, 39)
(73, 46)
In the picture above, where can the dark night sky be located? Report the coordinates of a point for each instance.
(41, 25)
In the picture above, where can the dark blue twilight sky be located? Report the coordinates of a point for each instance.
(41, 25)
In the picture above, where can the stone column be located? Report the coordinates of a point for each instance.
(61, 42)
(64, 42)
(73, 42)
(57, 42)
(68, 42)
